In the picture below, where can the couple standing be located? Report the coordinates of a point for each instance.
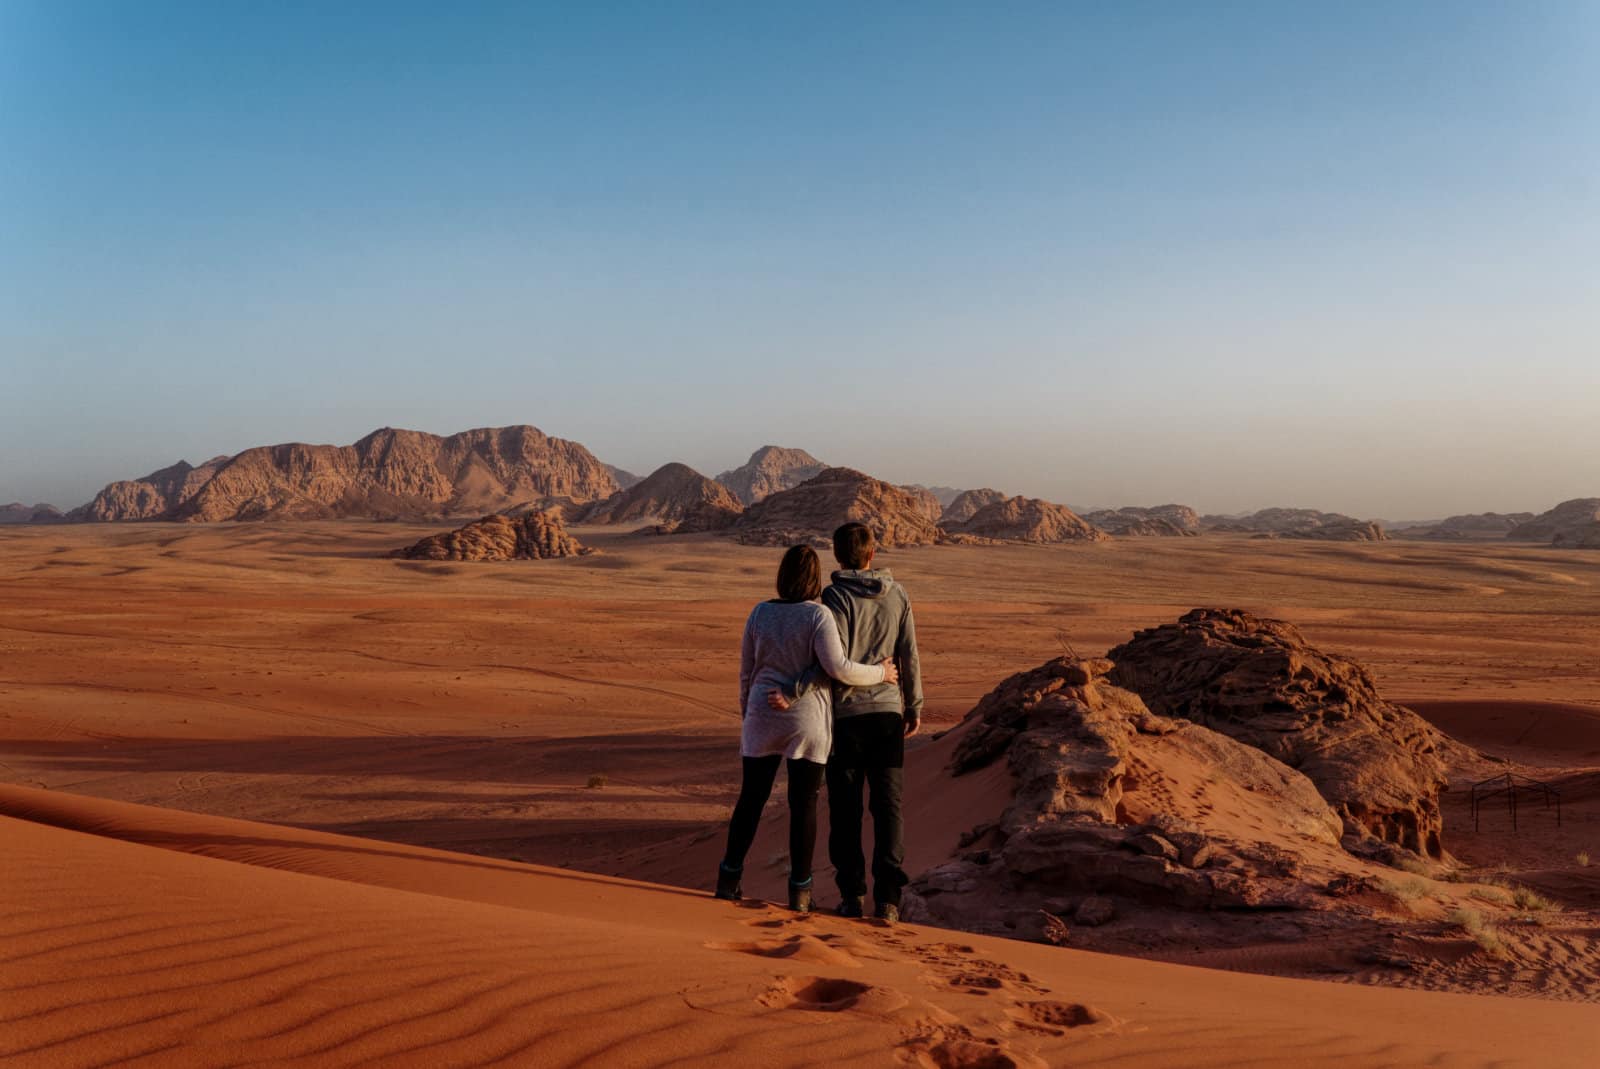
(833, 686)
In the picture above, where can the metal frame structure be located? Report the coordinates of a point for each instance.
(1509, 785)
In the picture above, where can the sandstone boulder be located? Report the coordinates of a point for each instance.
(1379, 765)
(533, 536)
(809, 512)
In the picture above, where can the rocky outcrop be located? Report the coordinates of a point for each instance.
(1565, 519)
(809, 512)
(770, 470)
(17, 512)
(534, 536)
(675, 495)
(156, 496)
(1478, 524)
(1114, 808)
(942, 494)
(1354, 531)
(389, 474)
(624, 478)
(1279, 521)
(1168, 521)
(1584, 537)
(926, 501)
(966, 504)
(1028, 519)
(1377, 764)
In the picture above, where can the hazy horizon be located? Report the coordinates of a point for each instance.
(1233, 256)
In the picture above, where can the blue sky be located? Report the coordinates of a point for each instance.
(1233, 254)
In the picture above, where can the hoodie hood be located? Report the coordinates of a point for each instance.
(873, 583)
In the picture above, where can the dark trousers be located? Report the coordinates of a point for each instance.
(805, 782)
(868, 752)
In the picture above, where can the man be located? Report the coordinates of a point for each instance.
(870, 725)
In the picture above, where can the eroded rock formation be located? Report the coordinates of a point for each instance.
(1170, 521)
(770, 469)
(533, 536)
(389, 474)
(810, 512)
(1377, 764)
(674, 495)
(1027, 519)
(966, 504)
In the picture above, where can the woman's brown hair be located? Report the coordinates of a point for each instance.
(800, 575)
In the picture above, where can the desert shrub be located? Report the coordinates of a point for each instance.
(1406, 890)
(1528, 899)
(599, 779)
(1481, 931)
(1582, 859)
(1413, 865)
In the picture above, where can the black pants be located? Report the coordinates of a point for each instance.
(805, 782)
(868, 752)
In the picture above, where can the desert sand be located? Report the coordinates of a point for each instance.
(435, 733)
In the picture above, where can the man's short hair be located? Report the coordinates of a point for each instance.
(853, 545)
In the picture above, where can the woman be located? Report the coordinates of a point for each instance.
(782, 638)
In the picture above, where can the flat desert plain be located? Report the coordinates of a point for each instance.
(269, 797)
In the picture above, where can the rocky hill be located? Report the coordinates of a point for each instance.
(673, 494)
(624, 478)
(1478, 524)
(808, 513)
(534, 536)
(17, 512)
(389, 474)
(1354, 531)
(966, 504)
(1279, 521)
(1027, 519)
(770, 469)
(1586, 536)
(1173, 521)
(1566, 519)
(1379, 765)
(942, 494)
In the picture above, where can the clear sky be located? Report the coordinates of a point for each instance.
(1231, 254)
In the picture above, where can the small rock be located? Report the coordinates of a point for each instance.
(1154, 845)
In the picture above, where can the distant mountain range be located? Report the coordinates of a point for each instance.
(394, 474)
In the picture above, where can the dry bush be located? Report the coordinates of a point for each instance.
(1481, 931)
(599, 779)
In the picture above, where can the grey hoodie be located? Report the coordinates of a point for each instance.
(874, 618)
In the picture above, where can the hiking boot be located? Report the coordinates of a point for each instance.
(728, 883)
(887, 912)
(800, 896)
(850, 907)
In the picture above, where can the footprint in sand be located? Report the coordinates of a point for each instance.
(1056, 1018)
(966, 1054)
(796, 948)
(828, 994)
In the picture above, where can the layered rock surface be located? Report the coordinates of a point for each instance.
(1027, 519)
(533, 536)
(1379, 765)
(810, 512)
(770, 469)
(675, 495)
(1116, 809)
(389, 474)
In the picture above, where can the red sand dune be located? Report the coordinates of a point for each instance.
(221, 941)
